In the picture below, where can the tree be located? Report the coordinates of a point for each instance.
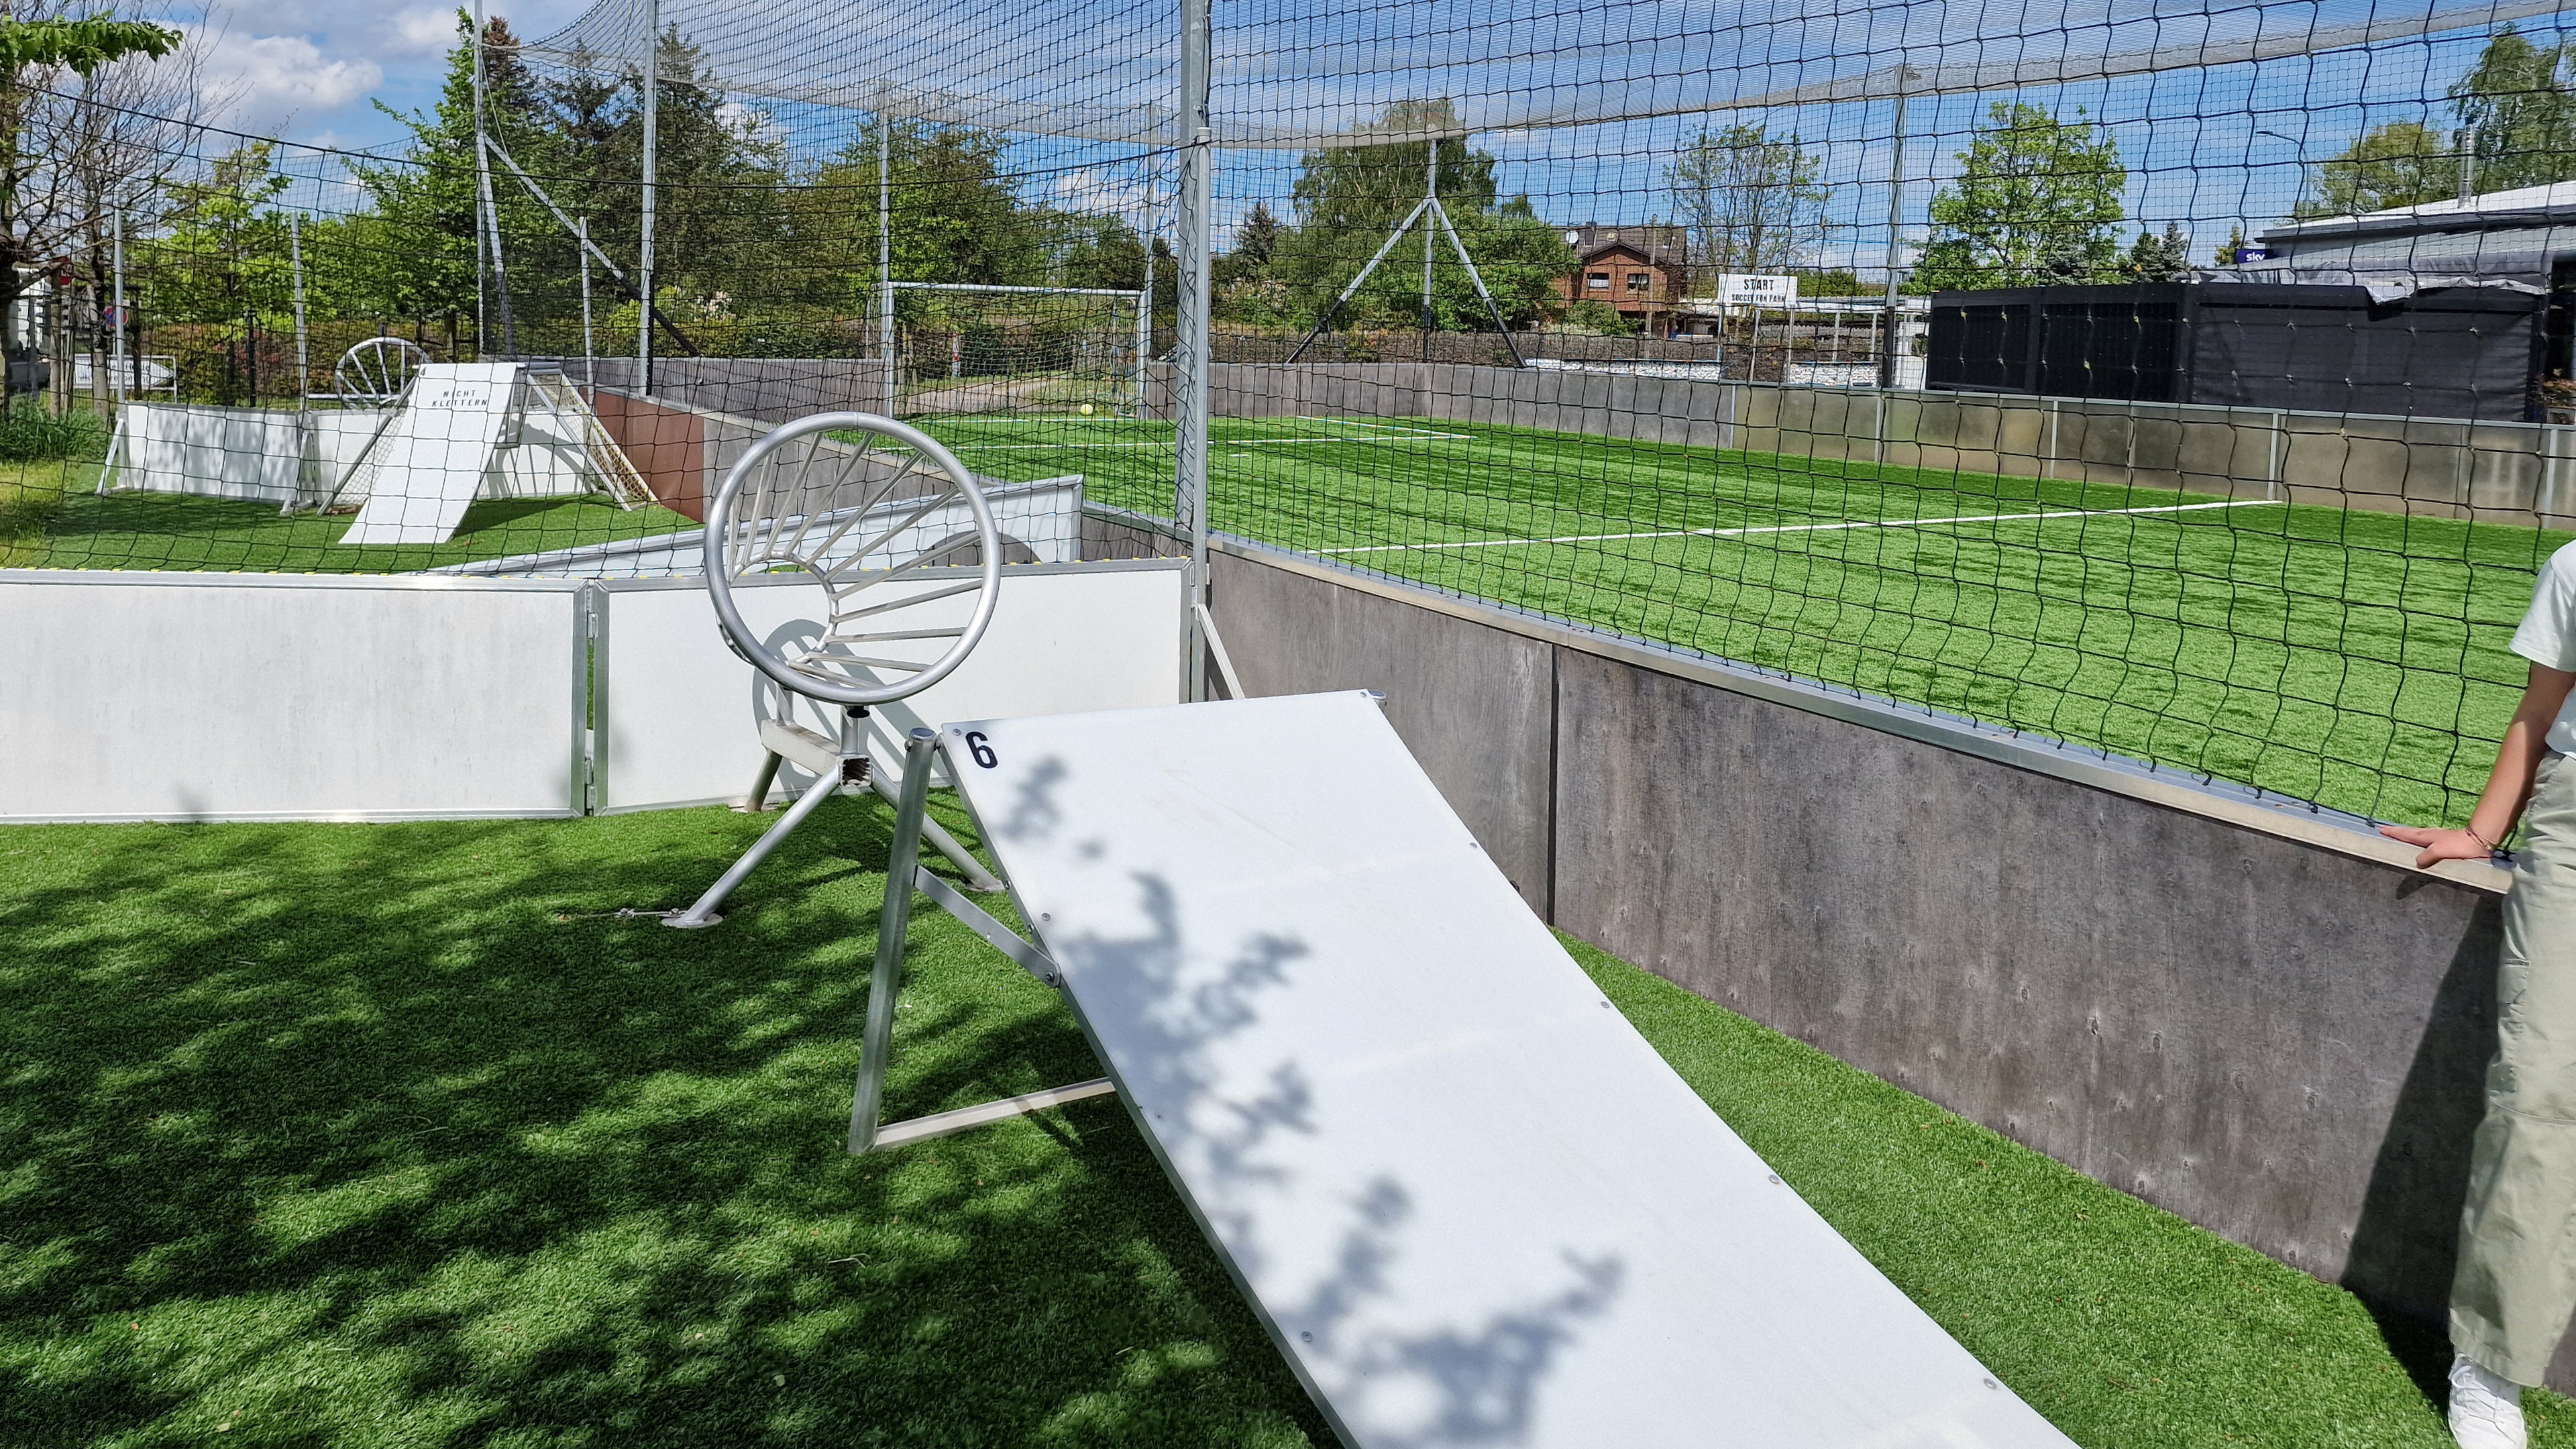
(2402, 163)
(1751, 202)
(1255, 243)
(2154, 258)
(219, 258)
(2226, 256)
(1349, 199)
(2519, 103)
(71, 155)
(2035, 204)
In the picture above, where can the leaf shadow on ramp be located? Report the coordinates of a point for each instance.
(1195, 1003)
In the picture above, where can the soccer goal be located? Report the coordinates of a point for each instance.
(964, 347)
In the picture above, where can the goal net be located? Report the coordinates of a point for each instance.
(964, 348)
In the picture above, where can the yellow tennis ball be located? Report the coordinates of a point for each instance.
(1086, 410)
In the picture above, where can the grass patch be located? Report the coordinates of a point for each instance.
(2353, 658)
(395, 1134)
(85, 530)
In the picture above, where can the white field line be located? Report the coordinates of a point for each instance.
(1213, 443)
(1810, 527)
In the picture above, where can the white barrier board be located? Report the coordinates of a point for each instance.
(1471, 1204)
(138, 696)
(684, 711)
(433, 459)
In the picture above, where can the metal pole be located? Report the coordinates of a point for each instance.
(2468, 162)
(1191, 375)
(885, 255)
(1145, 299)
(119, 388)
(894, 923)
(1431, 198)
(303, 351)
(482, 183)
(652, 184)
(1895, 230)
(589, 352)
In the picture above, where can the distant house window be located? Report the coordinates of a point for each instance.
(1596, 281)
(1639, 281)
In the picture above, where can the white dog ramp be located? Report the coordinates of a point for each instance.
(428, 465)
(1470, 1203)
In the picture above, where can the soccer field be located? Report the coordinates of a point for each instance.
(2353, 658)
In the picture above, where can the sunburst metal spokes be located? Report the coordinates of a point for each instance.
(377, 372)
(856, 502)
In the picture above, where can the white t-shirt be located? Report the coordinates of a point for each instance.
(2548, 636)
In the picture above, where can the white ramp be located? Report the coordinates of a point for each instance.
(1470, 1203)
(429, 464)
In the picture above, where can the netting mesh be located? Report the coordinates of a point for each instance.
(2186, 383)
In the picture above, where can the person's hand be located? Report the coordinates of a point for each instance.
(2439, 845)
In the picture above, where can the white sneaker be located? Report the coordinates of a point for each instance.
(2486, 1411)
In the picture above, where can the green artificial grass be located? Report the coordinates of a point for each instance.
(2348, 657)
(2353, 658)
(122, 530)
(399, 1135)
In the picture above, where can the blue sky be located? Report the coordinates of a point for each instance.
(2206, 148)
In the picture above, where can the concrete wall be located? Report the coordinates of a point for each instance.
(769, 390)
(2262, 1019)
(2492, 472)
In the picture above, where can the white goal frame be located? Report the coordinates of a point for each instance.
(1140, 299)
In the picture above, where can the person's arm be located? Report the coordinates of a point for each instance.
(2508, 784)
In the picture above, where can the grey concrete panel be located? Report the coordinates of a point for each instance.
(1473, 703)
(2281, 1044)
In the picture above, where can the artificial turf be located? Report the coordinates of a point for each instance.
(2353, 658)
(400, 1135)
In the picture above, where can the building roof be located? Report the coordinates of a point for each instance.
(2506, 239)
(1662, 244)
(2488, 211)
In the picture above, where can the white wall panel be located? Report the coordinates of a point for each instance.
(683, 712)
(136, 696)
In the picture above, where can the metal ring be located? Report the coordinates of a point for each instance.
(790, 527)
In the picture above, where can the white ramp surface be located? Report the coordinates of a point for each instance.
(1471, 1204)
(429, 465)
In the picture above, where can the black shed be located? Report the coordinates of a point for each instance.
(2455, 352)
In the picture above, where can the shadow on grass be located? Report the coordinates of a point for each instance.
(395, 1134)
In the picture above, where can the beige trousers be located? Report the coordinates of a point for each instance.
(2516, 1281)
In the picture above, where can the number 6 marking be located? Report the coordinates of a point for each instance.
(982, 752)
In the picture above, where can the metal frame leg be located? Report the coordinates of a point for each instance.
(894, 924)
(703, 914)
(757, 802)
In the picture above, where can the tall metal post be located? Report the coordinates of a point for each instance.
(1895, 249)
(303, 341)
(482, 183)
(589, 351)
(2468, 162)
(885, 254)
(652, 184)
(1190, 374)
(1430, 231)
(894, 923)
(118, 388)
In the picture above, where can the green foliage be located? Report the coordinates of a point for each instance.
(30, 433)
(2520, 100)
(2403, 163)
(1597, 318)
(1348, 200)
(2036, 203)
(1751, 200)
(81, 46)
(2226, 254)
(2159, 258)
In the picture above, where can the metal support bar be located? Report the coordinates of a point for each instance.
(1010, 943)
(1216, 650)
(1352, 290)
(703, 914)
(580, 231)
(894, 923)
(940, 1124)
(757, 801)
(1478, 280)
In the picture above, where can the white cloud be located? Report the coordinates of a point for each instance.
(421, 30)
(1097, 193)
(265, 81)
